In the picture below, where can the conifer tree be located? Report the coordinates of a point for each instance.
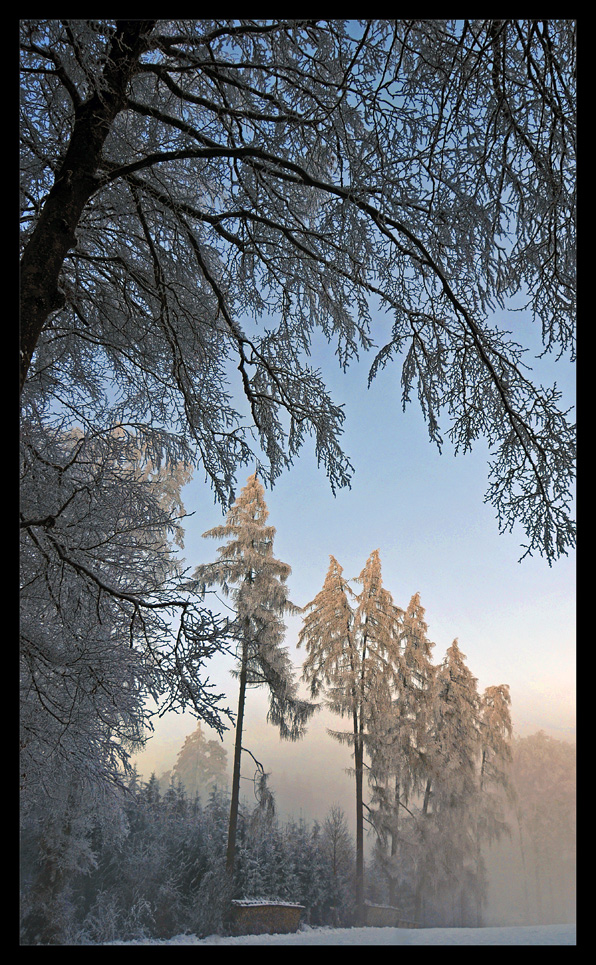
(496, 731)
(415, 694)
(495, 763)
(398, 738)
(255, 580)
(455, 729)
(353, 653)
(200, 764)
(494, 778)
(338, 854)
(327, 632)
(449, 846)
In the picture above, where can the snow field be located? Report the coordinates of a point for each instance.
(507, 935)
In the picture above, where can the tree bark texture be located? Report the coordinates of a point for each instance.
(75, 181)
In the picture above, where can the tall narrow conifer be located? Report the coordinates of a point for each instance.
(495, 763)
(255, 581)
(398, 739)
(352, 653)
(448, 855)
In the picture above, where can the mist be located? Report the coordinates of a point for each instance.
(530, 870)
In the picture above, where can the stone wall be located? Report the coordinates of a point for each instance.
(381, 916)
(253, 917)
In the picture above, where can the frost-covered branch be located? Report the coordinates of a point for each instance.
(287, 173)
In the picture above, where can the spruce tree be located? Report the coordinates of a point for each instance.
(200, 764)
(255, 581)
(496, 732)
(456, 738)
(415, 696)
(494, 777)
(327, 632)
(448, 858)
(352, 653)
(398, 739)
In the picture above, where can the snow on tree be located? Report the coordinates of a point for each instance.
(200, 764)
(352, 653)
(398, 739)
(105, 622)
(496, 731)
(495, 763)
(416, 692)
(439, 772)
(456, 739)
(338, 853)
(199, 197)
(449, 855)
(327, 630)
(255, 581)
(200, 202)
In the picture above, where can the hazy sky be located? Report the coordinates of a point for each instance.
(425, 513)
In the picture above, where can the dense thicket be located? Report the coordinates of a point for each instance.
(164, 872)
(158, 867)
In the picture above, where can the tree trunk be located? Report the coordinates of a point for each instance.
(393, 850)
(76, 180)
(426, 802)
(233, 823)
(358, 766)
(420, 884)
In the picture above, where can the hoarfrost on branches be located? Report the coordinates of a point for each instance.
(436, 753)
(255, 581)
(200, 200)
(200, 197)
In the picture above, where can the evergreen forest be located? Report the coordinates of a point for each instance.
(219, 219)
(158, 868)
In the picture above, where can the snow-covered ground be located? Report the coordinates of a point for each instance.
(508, 935)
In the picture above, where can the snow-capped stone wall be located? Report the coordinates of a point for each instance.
(252, 916)
(379, 916)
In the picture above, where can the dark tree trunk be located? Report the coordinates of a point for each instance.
(420, 884)
(75, 182)
(234, 803)
(358, 767)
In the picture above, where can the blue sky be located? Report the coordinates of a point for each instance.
(425, 513)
